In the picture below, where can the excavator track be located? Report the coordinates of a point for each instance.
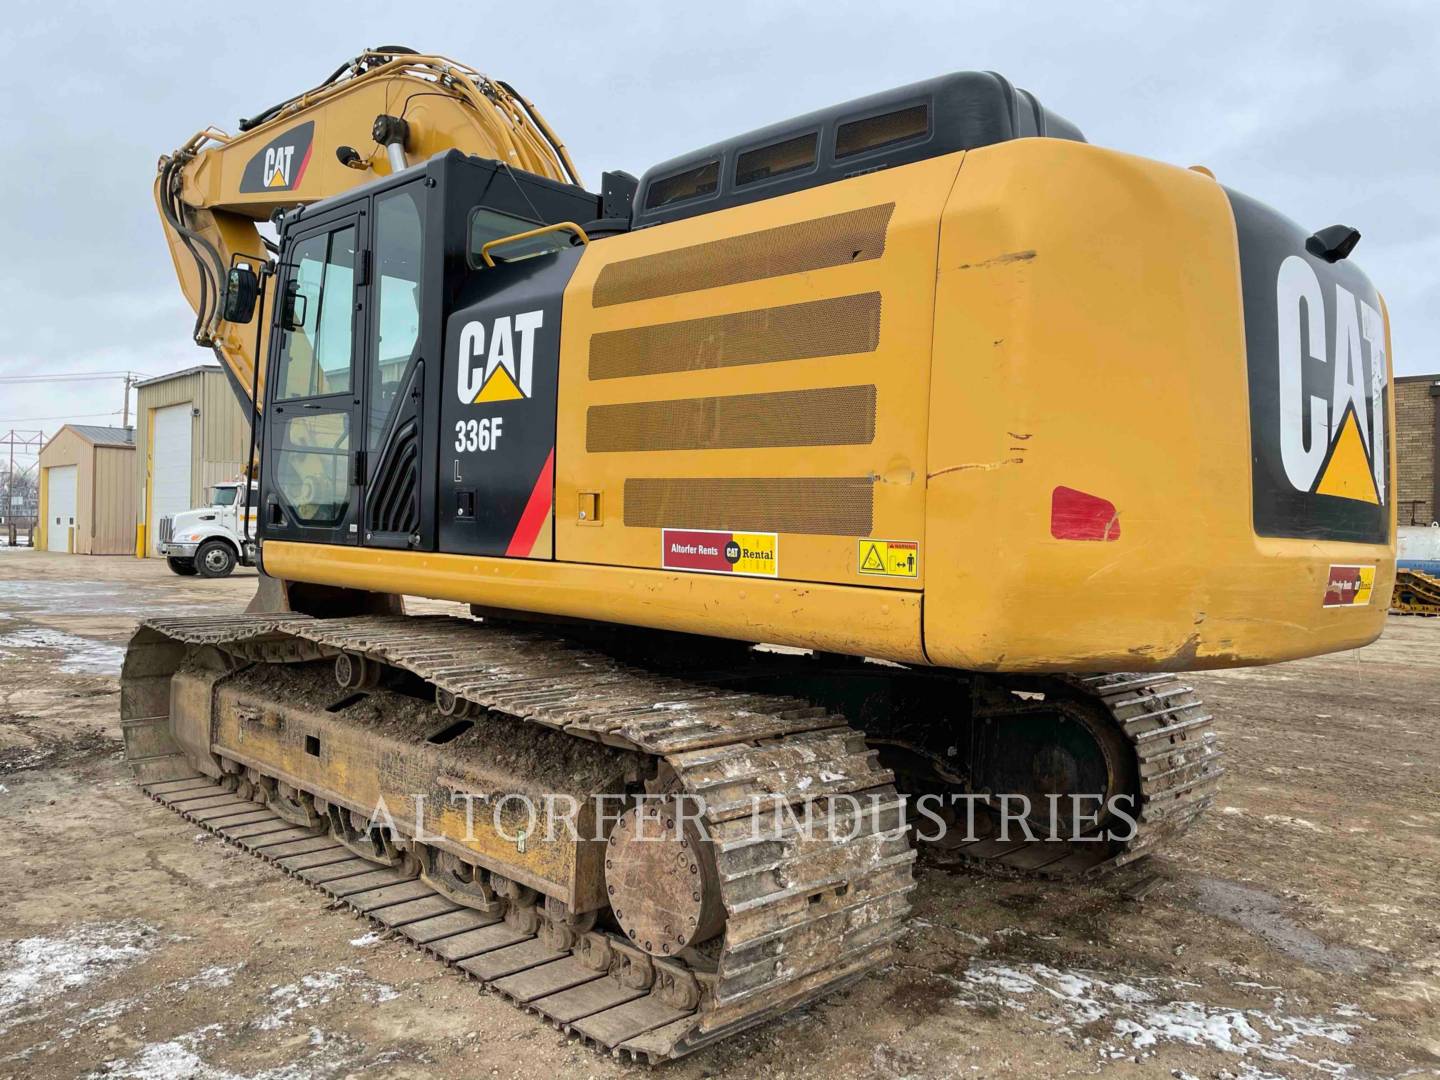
(805, 912)
(1416, 592)
(1177, 761)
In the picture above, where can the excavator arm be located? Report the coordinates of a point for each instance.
(385, 109)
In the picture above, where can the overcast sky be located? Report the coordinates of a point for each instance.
(1329, 112)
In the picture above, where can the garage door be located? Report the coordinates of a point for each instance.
(169, 466)
(60, 505)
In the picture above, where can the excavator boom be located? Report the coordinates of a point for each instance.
(386, 108)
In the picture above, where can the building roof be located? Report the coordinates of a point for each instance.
(178, 374)
(104, 436)
(1418, 378)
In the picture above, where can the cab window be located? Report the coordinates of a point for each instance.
(399, 232)
(315, 358)
(224, 496)
(312, 467)
(487, 225)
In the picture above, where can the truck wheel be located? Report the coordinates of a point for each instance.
(215, 559)
(183, 567)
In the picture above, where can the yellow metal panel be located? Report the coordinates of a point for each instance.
(883, 623)
(897, 368)
(1089, 334)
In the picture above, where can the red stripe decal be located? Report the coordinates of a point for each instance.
(300, 174)
(536, 511)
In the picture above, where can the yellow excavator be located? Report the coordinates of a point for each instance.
(863, 480)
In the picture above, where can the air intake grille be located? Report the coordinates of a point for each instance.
(834, 327)
(836, 240)
(393, 505)
(829, 416)
(821, 505)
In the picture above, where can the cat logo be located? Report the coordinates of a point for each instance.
(1315, 355)
(1341, 451)
(504, 371)
(281, 163)
(278, 160)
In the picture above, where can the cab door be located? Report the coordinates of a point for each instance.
(391, 462)
(313, 414)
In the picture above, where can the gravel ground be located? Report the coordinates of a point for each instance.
(1294, 932)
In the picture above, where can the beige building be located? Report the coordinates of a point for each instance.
(190, 433)
(87, 499)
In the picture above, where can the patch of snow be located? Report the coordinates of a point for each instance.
(1141, 1017)
(210, 978)
(36, 969)
(319, 989)
(82, 655)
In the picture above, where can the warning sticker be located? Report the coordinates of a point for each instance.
(889, 558)
(710, 551)
(1349, 586)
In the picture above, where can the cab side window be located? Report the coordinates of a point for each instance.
(315, 358)
(399, 232)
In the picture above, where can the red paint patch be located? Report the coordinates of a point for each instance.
(1074, 515)
(537, 509)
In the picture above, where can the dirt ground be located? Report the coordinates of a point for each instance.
(1295, 933)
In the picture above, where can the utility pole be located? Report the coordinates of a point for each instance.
(130, 380)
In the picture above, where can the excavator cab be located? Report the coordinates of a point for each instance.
(354, 402)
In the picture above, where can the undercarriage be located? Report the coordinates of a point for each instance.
(653, 841)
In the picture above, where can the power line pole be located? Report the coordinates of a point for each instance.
(130, 380)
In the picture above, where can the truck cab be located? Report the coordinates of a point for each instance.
(211, 540)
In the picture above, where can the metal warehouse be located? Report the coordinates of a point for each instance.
(190, 433)
(87, 502)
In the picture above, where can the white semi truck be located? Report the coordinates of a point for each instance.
(211, 540)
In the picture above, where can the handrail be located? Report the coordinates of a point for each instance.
(568, 226)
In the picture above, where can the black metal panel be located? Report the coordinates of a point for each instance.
(497, 417)
(392, 491)
(966, 109)
(1314, 342)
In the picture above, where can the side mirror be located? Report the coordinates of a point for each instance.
(294, 306)
(242, 288)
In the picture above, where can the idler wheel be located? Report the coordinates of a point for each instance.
(661, 879)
